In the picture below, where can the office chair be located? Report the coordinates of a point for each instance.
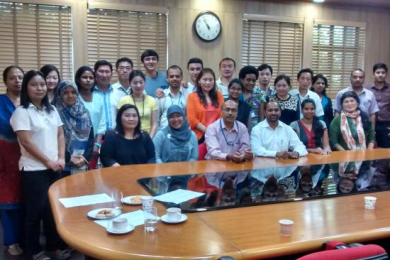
(336, 250)
(202, 150)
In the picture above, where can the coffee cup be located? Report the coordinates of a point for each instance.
(370, 202)
(174, 214)
(286, 226)
(120, 224)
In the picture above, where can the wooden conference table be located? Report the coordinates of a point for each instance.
(242, 233)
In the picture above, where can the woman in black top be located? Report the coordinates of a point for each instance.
(127, 144)
(289, 104)
(319, 85)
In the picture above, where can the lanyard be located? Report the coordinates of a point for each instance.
(230, 143)
(107, 105)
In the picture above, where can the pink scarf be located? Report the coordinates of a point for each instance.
(347, 134)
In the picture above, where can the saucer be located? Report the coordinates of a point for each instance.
(128, 229)
(165, 219)
(96, 213)
(132, 200)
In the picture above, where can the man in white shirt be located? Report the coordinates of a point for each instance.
(173, 95)
(227, 69)
(123, 67)
(273, 138)
(303, 92)
(194, 67)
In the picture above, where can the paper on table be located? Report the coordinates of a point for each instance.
(134, 218)
(178, 196)
(69, 202)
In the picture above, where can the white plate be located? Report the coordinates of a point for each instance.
(166, 220)
(93, 214)
(128, 229)
(129, 200)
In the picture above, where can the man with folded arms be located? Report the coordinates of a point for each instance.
(273, 138)
(227, 138)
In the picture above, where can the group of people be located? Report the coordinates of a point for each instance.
(51, 127)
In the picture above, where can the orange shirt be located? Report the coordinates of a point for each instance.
(197, 113)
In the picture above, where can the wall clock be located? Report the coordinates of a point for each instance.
(207, 26)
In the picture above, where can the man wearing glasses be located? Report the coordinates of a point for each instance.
(227, 138)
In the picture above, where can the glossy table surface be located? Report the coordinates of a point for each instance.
(242, 233)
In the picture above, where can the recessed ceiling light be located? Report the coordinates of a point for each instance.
(318, 1)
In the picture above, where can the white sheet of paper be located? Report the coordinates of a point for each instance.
(134, 218)
(69, 202)
(178, 196)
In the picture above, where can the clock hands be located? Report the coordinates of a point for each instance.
(207, 25)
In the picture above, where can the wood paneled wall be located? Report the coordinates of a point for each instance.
(183, 44)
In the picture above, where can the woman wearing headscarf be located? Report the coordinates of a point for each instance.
(176, 142)
(78, 129)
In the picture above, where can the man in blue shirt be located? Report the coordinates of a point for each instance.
(103, 87)
(155, 81)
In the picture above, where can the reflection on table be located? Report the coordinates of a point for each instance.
(247, 232)
(274, 184)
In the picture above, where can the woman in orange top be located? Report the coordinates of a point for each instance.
(205, 105)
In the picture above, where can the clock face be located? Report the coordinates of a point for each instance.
(207, 26)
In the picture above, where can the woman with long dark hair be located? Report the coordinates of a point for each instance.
(40, 133)
(84, 79)
(94, 103)
(128, 144)
(319, 85)
(235, 92)
(205, 105)
(312, 131)
(10, 186)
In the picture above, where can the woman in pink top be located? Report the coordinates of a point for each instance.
(205, 105)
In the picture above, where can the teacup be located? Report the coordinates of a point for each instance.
(120, 224)
(174, 214)
(370, 202)
(286, 226)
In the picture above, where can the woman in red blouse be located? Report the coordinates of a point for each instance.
(205, 105)
(312, 131)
